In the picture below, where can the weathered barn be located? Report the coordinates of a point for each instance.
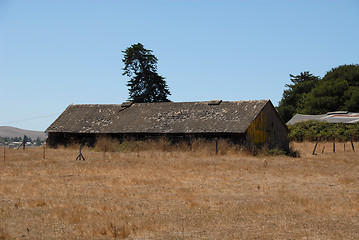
(253, 123)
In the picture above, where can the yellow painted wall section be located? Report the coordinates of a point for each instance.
(256, 130)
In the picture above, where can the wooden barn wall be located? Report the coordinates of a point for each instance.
(59, 138)
(268, 130)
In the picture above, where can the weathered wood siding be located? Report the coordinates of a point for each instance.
(268, 130)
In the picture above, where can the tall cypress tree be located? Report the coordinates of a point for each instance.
(145, 85)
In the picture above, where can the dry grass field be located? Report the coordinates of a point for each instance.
(179, 195)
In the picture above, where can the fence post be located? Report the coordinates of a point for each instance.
(315, 147)
(44, 156)
(216, 146)
(334, 145)
(351, 140)
(344, 146)
(138, 149)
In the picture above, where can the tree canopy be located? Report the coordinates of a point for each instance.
(309, 94)
(145, 85)
(293, 97)
(338, 90)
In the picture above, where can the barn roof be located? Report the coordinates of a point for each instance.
(163, 117)
(332, 117)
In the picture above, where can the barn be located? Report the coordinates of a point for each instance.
(250, 123)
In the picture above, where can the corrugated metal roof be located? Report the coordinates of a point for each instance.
(164, 117)
(332, 117)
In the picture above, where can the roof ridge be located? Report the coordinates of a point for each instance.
(223, 101)
(95, 104)
(119, 104)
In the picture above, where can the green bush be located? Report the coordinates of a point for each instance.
(323, 131)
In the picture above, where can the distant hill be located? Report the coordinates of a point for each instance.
(17, 132)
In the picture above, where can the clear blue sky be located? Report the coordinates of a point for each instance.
(57, 52)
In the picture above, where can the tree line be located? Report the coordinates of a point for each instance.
(9, 140)
(310, 94)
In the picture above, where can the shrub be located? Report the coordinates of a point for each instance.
(324, 131)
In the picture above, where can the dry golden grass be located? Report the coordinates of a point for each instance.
(152, 194)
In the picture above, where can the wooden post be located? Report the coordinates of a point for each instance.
(44, 156)
(352, 145)
(316, 144)
(138, 150)
(190, 145)
(351, 141)
(80, 156)
(323, 149)
(344, 146)
(334, 145)
(23, 143)
(216, 146)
